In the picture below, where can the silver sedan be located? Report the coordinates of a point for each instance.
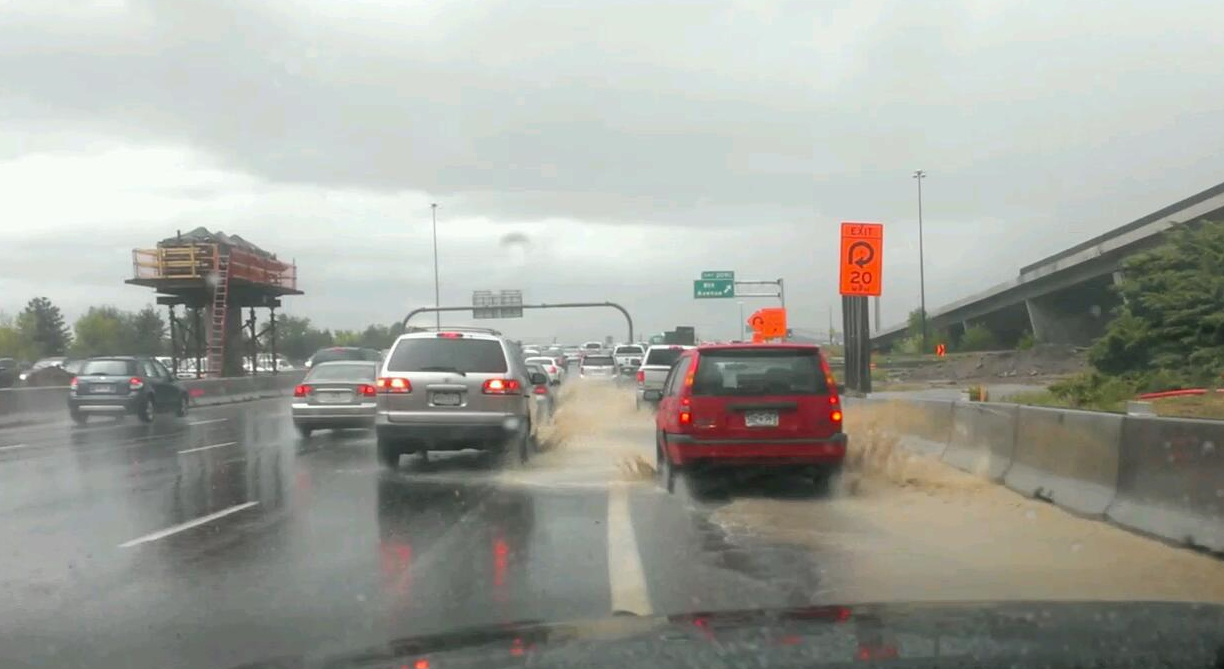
(336, 395)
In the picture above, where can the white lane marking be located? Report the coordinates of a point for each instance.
(205, 448)
(161, 534)
(14, 447)
(626, 578)
(206, 422)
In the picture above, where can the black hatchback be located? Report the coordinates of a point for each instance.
(120, 385)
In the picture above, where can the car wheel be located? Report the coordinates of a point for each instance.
(525, 445)
(184, 406)
(665, 473)
(79, 417)
(145, 411)
(304, 430)
(388, 454)
(822, 480)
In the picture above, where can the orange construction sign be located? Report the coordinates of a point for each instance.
(769, 323)
(862, 258)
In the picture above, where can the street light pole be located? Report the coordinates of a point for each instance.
(437, 299)
(919, 175)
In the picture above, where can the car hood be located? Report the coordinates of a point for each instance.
(969, 634)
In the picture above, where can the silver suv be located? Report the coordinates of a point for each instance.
(453, 389)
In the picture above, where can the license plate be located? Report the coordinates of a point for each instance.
(447, 399)
(332, 397)
(103, 388)
(761, 419)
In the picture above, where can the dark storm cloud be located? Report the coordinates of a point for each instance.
(1040, 123)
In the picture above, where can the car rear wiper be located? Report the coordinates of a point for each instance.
(444, 369)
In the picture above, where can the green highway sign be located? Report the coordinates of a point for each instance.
(713, 288)
(711, 275)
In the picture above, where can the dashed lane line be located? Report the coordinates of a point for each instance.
(207, 448)
(162, 534)
(626, 577)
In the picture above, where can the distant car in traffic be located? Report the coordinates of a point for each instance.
(8, 372)
(654, 369)
(455, 389)
(48, 372)
(592, 348)
(598, 367)
(730, 407)
(555, 372)
(121, 385)
(335, 395)
(624, 354)
(541, 393)
(334, 353)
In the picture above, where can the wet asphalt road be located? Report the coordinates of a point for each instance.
(223, 538)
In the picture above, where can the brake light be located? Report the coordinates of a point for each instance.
(641, 377)
(301, 390)
(552, 369)
(686, 416)
(393, 384)
(135, 383)
(501, 386)
(365, 390)
(73, 383)
(450, 335)
(836, 416)
(541, 390)
(833, 399)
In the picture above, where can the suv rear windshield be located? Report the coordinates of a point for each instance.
(663, 356)
(333, 354)
(340, 371)
(760, 372)
(108, 368)
(598, 361)
(481, 356)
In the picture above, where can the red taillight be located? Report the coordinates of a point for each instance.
(393, 384)
(552, 369)
(450, 335)
(541, 390)
(301, 390)
(836, 416)
(641, 377)
(365, 390)
(686, 416)
(833, 399)
(73, 383)
(501, 386)
(135, 383)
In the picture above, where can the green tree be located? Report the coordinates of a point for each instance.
(102, 331)
(148, 332)
(42, 324)
(1171, 322)
(297, 339)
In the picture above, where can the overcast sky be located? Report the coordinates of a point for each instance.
(632, 144)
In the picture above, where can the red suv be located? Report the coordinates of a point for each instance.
(738, 405)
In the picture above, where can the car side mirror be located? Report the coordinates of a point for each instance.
(538, 379)
(652, 395)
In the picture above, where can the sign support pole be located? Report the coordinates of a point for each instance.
(856, 328)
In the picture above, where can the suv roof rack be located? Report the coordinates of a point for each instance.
(448, 328)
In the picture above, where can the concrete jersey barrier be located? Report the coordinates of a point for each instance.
(23, 405)
(1171, 480)
(1066, 457)
(983, 438)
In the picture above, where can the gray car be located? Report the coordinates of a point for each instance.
(335, 395)
(454, 389)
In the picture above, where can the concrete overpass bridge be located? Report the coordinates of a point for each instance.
(1067, 297)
